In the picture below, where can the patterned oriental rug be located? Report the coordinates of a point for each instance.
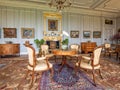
(67, 80)
(13, 71)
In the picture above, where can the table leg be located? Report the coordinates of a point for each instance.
(64, 62)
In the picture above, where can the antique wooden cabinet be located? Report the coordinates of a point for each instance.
(88, 46)
(9, 49)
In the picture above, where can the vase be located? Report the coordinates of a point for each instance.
(64, 47)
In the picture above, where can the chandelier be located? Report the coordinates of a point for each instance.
(60, 4)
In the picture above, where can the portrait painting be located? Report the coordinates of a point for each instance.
(27, 33)
(9, 32)
(96, 34)
(52, 25)
(86, 34)
(74, 34)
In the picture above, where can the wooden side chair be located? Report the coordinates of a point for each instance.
(108, 50)
(75, 47)
(37, 64)
(118, 52)
(45, 50)
(92, 64)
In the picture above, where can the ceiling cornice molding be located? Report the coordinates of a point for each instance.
(94, 12)
(97, 3)
(80, 10)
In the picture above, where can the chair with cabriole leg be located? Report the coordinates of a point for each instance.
(37, 64)
(45, 51)
(91, 63)
(75, 47)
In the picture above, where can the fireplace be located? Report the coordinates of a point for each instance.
(53, 44)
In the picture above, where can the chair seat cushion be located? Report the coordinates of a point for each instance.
(49, 55)
(41, 66)
(112, 51)
(86, 65)
(85, 57)
(41, 58)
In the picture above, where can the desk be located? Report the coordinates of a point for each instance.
(88, 46)
(64, 53)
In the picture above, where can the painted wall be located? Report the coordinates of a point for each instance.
(33, 18)
(117, 23)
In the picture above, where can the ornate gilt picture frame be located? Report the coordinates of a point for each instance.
(9, 32)
(52, 25)
(74, 34)
(27, 32)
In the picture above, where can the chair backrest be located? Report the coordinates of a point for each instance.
(31, 54)
(96, 55)
(74, 47)
(107, 45)
(45, 49)
(117, 48)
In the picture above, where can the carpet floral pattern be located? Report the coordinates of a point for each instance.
(13, 70)
(67, 80)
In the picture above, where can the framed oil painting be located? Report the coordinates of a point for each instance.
(96, 34)
(107, 21)
(74, 34)
(9, 32)
(27, 32)
(86, 34)
(52, 25)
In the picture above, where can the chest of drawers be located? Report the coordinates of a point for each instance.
(9, 49)
(88, 46)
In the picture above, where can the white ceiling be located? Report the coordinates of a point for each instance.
(105, 5)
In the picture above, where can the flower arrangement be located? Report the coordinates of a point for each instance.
(65, 44)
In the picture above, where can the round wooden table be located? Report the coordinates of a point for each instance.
(64, 53)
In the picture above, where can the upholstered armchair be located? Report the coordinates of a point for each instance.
(37, 64)
(118, 52)
(108, 50)
(91, 63)
(45, 51)
(75, 47)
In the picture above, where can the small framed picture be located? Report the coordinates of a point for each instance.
(9, 32)
(52, 25)
(74, 34)
(86, 34)
(27, 32)
(96, 34)
(107, 21)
